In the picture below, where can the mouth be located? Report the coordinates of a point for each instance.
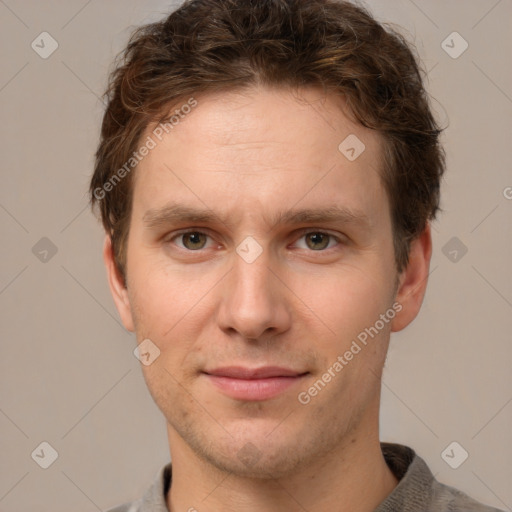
(254, 384)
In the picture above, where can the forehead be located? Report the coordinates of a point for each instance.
(271, 148)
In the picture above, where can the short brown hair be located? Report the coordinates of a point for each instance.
(215, 45)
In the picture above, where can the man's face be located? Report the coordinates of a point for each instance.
(255, 288)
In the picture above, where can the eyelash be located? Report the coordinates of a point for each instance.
(301, 234)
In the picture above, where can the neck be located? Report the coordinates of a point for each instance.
(353, 478)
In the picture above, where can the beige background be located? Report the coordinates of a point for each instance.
(67, 372)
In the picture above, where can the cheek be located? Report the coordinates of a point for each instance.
(164, 301)
(346, 300)
(171, 309)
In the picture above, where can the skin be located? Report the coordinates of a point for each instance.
(247, 156)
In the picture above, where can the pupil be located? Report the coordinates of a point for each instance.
(317, 238)
(194, 238)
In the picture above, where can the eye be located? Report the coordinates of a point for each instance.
(191, 240)
(318, 240)
(314, 240)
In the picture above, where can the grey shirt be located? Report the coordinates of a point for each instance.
(417, 489)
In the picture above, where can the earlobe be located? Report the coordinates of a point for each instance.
(117, 286)
(413, 280)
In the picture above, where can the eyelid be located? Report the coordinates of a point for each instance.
(175, 234)
(304, 231)
(339, 237)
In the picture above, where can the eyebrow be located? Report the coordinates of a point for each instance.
(174, 213)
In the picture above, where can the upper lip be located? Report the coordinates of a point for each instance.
(239, 372)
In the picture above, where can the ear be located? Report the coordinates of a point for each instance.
(117, 286)
(413, 280)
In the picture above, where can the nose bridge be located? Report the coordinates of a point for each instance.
(251, 276)
(252, 302)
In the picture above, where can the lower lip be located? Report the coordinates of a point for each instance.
(253, 389)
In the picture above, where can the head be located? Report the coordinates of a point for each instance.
(266, 176)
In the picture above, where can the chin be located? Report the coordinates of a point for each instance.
(251, 452)
(251, 461)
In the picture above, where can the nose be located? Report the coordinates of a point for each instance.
(255, 302)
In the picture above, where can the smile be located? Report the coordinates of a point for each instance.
(254, 384)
